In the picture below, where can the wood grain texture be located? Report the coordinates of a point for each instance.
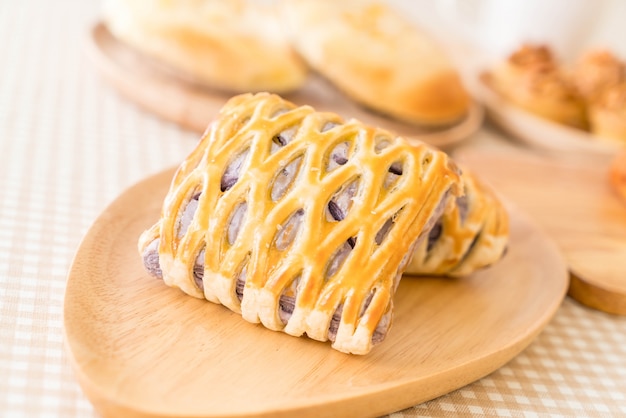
(168, 95)
(572, 199)
(141, 349)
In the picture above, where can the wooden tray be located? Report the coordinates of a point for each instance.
(141, 349)
(571, 198)
(193, 106)
(539, 132)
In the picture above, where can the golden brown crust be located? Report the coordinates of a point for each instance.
(546, 92)
(378, 58)
(592, 96)
(400, 190)
(221, 44)
(472, 236)
(530, 55)
(597, 70)
(531, 79)
(608, 113)
(519, 63)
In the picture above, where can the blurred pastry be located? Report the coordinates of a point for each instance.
(378, 58)
(617, 175)
(607, 113)
(471, 236)
(234, 45)
(532, 79)
(519, 63)
(526, 57)
(529, 55)
(595, 71)
(299, 220)
(545, 91)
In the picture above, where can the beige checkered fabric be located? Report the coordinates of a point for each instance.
(69, 145)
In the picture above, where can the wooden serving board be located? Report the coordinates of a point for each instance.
(162, 92)
(141, 349)
(571, 198)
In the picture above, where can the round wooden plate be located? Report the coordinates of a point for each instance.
(141, 349)
(164, 93)
(538, 132)
(572, 199)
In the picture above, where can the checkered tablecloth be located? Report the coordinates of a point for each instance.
(69, 145)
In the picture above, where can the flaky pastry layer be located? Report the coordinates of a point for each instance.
(298, 219)
(471, 236)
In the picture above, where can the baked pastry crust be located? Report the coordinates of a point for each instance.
(607, 113)
(298, 219)
(234, 45)
(471, 236)
(519, 63)
(597, 70)
(531, 79)
(377, 58)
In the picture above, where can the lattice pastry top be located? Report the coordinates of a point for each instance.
(298, 219)
(471, 236)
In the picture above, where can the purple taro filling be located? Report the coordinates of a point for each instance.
(338, 208)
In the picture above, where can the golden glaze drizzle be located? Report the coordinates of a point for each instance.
(248, 123)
